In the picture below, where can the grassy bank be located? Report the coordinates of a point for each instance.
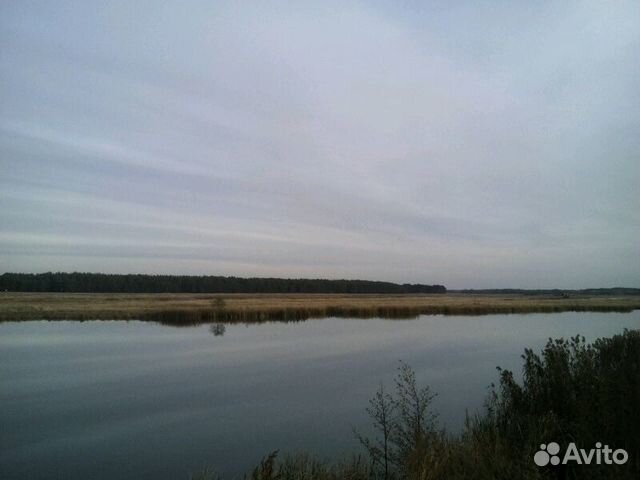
(571, 392)
(201, 308)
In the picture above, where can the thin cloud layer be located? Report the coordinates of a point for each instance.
(472, 145)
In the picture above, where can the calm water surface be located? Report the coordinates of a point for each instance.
(133, 400)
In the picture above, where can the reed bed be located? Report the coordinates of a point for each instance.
(189, 309)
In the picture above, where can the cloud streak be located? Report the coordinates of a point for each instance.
(475, 146)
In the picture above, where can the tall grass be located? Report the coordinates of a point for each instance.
(188, 309)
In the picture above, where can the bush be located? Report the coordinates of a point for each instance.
(571, 392)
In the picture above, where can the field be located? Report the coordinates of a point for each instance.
(199, 308)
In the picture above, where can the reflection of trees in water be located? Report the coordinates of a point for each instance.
(218, 329)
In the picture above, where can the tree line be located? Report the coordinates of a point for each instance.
(553, 291)
(77, 282)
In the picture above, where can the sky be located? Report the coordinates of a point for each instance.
(471, 144)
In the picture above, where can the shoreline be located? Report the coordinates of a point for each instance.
(188, 309)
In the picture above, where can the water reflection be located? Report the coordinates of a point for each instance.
(218, 329)
(137, 400)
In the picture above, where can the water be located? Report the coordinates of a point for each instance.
(133, 400)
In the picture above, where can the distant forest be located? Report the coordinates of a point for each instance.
(106, 283)
(555, 291)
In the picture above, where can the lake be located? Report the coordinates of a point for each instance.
(138, 400)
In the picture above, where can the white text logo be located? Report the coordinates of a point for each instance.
(549, 454)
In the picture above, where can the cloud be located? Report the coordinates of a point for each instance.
(475, 146)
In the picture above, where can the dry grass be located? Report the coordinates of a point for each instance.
(198, 308)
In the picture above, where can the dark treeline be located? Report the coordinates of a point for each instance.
(554, 291)
(137, 283)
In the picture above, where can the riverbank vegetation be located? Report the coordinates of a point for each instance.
(570, 392)
(190, 309)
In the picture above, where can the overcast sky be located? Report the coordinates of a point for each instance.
(487, 144)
